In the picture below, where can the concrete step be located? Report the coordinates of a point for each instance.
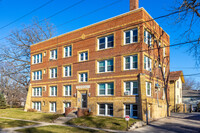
(137, 124)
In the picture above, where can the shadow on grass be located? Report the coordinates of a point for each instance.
(33, 130)
(101, 122)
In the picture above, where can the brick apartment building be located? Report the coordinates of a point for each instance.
(105, 67)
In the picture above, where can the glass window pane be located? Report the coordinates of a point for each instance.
(110, 89)
(135, 35)
(102, 109)
(102, 66)
(128, 40)
(102, 89)
(110, 41)
(128, 86)
(110, 65)
(110, 109)
(102, 43)
(127, 63)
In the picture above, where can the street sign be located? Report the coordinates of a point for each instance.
(127, 117)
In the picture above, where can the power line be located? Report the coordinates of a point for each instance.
(34, 10)
(101, 9)
(49, 16)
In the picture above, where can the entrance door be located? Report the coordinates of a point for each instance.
(84, 100)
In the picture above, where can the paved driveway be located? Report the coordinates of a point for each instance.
(176, 123)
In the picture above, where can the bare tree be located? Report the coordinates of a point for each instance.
(189, 84)
(16, 54)
(189, 16)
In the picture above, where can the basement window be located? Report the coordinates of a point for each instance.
(36, 106)
(105, 109)
(131, 110)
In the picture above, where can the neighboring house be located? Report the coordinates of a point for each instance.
(191, 97)
(101, 67)
(176, 81)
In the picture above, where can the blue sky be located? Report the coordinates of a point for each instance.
(13, 9)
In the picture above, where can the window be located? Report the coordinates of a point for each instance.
(106, 89)
(67, 71)
(131, 110)
(131, 36)
(52, 106)
(37, 75)
(148, 88)
(147, 63)
(105, 66)
(106, 42)
(130, 62)
(83, 77)
(66, 105)
(177, 84)
(53, 73)
(106, 109)
(67, 90)
(37, 106)
(83, 56)
(147, 38)
(131, 87)
(37, 92)
(37, 58)
(53, 91)
(164, 71)
(53, 54)
(164, 51)
(68, 51)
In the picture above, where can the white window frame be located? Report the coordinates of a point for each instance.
(54, 106)
(68, 51)
(131, 110)
(55, 72)
(164, 51)
(68, 105)
(131, 62)
(106, 42)
(164, 71)
(147, 88)
(106, 89)
(36, 59)
(106, 66)
(55, 54)
(85, 78)
(146, 37)
(35, 92)
(106, 109)
(69, 90)
(132, 87)
(55, 89)
(85, 56)
(69, 72)
(36, 106)
(148, 63)
(37, 75)
(131, 36)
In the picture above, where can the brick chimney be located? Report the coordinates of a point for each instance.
(134, 4)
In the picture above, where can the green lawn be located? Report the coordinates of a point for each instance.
(102, 122)
(20, 114)
(57, 129)
(6, 123)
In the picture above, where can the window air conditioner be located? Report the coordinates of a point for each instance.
(127, 93)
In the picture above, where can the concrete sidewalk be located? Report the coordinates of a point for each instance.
(12, 130)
